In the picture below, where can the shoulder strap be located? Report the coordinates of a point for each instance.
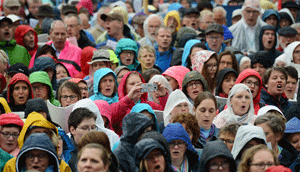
(70, 62)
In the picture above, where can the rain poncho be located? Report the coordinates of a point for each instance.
(163, 81)
(20, 32)
(128, 44)
(289, 53)
(138, 108)
(200, 58)
(178, 73)
(174, 14)
(187, 49)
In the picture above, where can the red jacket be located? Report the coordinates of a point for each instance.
(86, 56)
(19, 36)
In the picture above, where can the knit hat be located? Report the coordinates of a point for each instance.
(10, 118)
(194, 76)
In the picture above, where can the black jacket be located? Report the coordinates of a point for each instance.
(84, 41)
(220, 78)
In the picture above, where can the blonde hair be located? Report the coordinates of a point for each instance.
(143, 166)
(3, 57)
(204, 13)
(149, 48)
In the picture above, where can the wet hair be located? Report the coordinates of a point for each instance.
(94, 137)
(72, 86)
(230, 128)
(197, 45)
(78, 115)
(270, 70)
(148, 74)
(235, 65)
(292, 71)
(203, 96)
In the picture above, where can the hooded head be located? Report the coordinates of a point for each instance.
(105, 111)
(289, 52)
(261, 33)
(187, 50)
(141, 107)
(86, 56)
(19, 36)
(270, 12)
(37, 105)
(220, 78)
(127, 44)
(178, 73)
(175, 15)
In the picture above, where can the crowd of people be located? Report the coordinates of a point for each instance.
(149, 86)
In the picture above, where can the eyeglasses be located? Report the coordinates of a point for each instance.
(224, 165)
(72, 25)
(179, 144)
(2, 26)
(253, 12)
(127, 52)
(39, 87)
(89, 128)
(227, 141)
(72, 97)
(211, 66)
(217, 38)
(7, 135)
(191, 84)
(228, 63)
(31, 157)
(249, 83)
(263, 165)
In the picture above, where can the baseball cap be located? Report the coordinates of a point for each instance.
(191, 10)
(11, 3)
(290, 4)
(287, 31)
(6, 19)
(114, 15)
(100, 56)
(13, 17)
(66, 9)
(18, 68)
(214, 27)
(11, 118)
(237, 12)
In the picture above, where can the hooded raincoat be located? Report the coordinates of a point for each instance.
(99, 74)
(176, 15)
(4, 106)
(43, 77)
(220, 78)
(128, 44)
(289, 53)
(105, 111)
(140, 107)
(228, 115)
(133, 127)
(187, 49)
(178, 73)
(19, 36)
(270, 12)
(86, 56)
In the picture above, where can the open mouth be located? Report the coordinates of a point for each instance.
(157, 167)
(193, 24)
(195, 92)
(269, 42)
(279, 86)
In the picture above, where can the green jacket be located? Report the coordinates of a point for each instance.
(4, 157)
(15, 52)
(42, 77)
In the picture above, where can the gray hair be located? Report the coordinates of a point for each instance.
(146, 22)
(55, 22)
(204, 13)
(102, 9)
(221, 9)
(3, 57)
(74, 15)
(296, 26)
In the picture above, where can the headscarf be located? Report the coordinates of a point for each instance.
(200, 58)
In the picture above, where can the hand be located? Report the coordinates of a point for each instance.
(161, 90)
(135, 92)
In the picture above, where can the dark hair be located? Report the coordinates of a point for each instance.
(78, 115)
(270, 70)
(292, 71)
(72, 86)
(94, 137)
(210, 81)
(188, 60)
(233, 58)
(204, 5)
(44, 50)
(147, 75)
(12, 88)
(12, 125)
(230, 128)
(205, 95)
(131, 4)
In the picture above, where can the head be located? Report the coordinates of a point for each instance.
(272, 20)
(152, 23)
(33, 6)
(102, 10)
(291, 83)
(228, 82)
(83, 88)
(61, 71)
(287, 35)
(214, 39)
(6, 32)
(268, 39)
(114, 23)
(220, 15)
(3, 62)
(68, 93)
(163, 39)
(132, 79)
(29, 40)
(251, 12)
(58, 34)
(74, 25)
(20, 92)
(227, 60)
(228, 132)
(241, 100)
(98, 137)
(297, 27)
(193, 18)
(127, 51)
(146, 57)
(253, 81)
(245, 63)
(120, 72)
(100, 59)
(11, 7)
(206, 18)
(275, 79)
(107, 85)
(172, 21)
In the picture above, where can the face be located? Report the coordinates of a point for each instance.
(147, 59)
(290, 87)
(207, 20)
(34, 7)
(219, 164)
(193, 88)
(259, 158)
(193, 19)
(245, 65)
(66, 92)
(284, 41)
(250, 16)
(155, 161)
(11, 142)
(172, 24)
(195, 50)
(240, 102)
(59, 36)
(121, 74)
(270, 135)
(84, 90)
(113, 26)
(100, 22)
(40, 90)
(20, 93)
(61, 72)
(153, 25)
(228, 139)
(296, 55)
(131, 81)
(5, 31)
(276, 83)
(178, 109)
(253, 83)
(129, 8)
(164, 39)
(205, 113)
(107, 85)
(219, 18)
(3, 68)
(12, 10)
(172, 81)
(98, 65)
(268, 39)
(90, 160)
(185, 4)
(236, 19)
(294, 139)
(284, 23)
(227, 84)
(225, 62)
(214, 41)
(177, 149)
(127, 57)
(260, 69)
(29, 40)
(281, 64)
(37, 160)
(85, 126)
(272, 20)
(73, 27)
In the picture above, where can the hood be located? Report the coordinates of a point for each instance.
(292, 126)
(99, 74)
(127, 44)
(175, 98)
(200, 57)
(245, 74)
(270, 12)
(18, 77)
(138, 108)
(267, 27)
(68, 146)
(19, 36)
(5, 106)
(43, 77)
(86, 56)
(39, 141)
(187, 50)
(104, 109)
(244, 134)
(34, 119)
(35, 105)
(289, 16)
(178, 73)
(122, 88)
(281, 58)
(2, 82)
(227, 34)
(163, 81)
(220, 78)
(184, 39)
(133, 126)
(215, 149)
(193, 76)
(289, 51)
(86, 4)
(278, 168)
(174, 14)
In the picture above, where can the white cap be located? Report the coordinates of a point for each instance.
(13, 17)
(237, 12)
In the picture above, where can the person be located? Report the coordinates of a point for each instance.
(98, 29)
(3, 63)
(275, 80)
(96, 153)
(214, 38)
(271, 17)
(183, 154)
(68, 93)
(291, 83)
(225, 80)
(296, 26)
(286, 18)
(175, 76)
(292, 55)
(134, 126)
(105, 86)
(82, 85)
(127, 52)
(120, 72)
(246, 31)
(151, 25)
(193, 84)
(206, 18)
(226, 59)
(138, 22)
(190, 48)
(228, 132)
(46, 50)
(205, 109)
(258, 158)
(192, 15)
(172, 21)
(164, 82)
(216, 157)
(33, 7)
(245, 63)
(292, 132)
(11, 7)
(239, 107)
(150, 155)
(27, 37)
(261, 61)
(146, 58)
(220, 15)
(146, 109)
(105, 112)
(286, 36)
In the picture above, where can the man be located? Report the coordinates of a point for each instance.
(206, 18)
(33, 8)
(44, 11)
(151, 24)
(192, 15)
(287, 35)
(220, 15)
(85, 21)
(271, 17)
(66, 52)
(293, 7)
(68, 9)
(138, 22)
(214, 38)
(27, 37)
(236, 16)
(297, 27)
(15, 52)
(11, 7)
(74, 29)
(97, 30)
(246, 31)
(164, 52)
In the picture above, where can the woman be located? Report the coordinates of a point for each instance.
(120, 72)
(227, 60)
(205, 109)
(161, 79)
(190, 48)
(95, 153)
(206, 63)
(225, 80)
(258, 159)
(105, 86)
(145, 109)
(261, 61)
(19, 91)
(146, 58)
(292, 132)
(127, 51)
(105, 112)
(61, 71)
(286, 18)
(43, 50)
(292, 54)
(228, 132)
(184, 156)
(68, 93)
(239, 107)
(175, 75)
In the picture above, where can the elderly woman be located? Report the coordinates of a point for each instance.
(146, 58)
(239, 107)
(293, 55)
